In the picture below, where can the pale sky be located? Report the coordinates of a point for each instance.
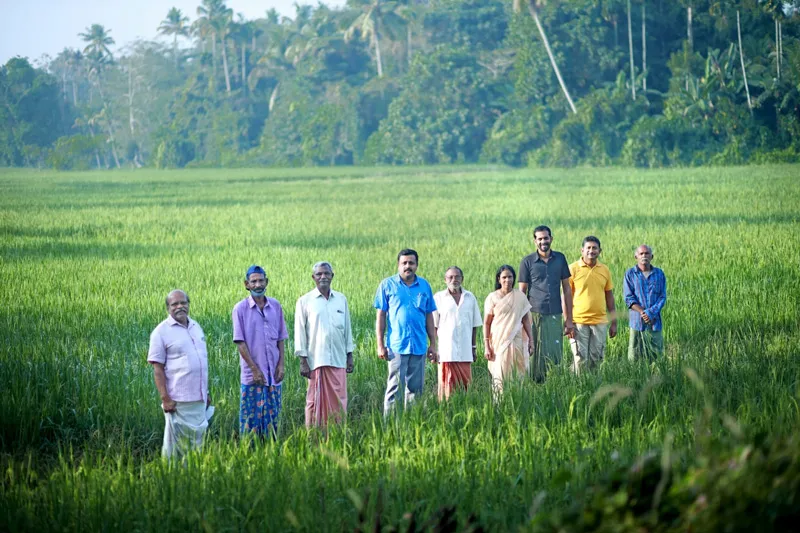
(31, 28)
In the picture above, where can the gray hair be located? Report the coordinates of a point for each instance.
(320, 265)
(454, 267)
(170, 293)
(636, 251)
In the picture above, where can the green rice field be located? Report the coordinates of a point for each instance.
(86, 260)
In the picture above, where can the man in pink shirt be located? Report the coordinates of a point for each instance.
(180, 368)
(259, 331)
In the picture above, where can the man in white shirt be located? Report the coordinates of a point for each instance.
(323, 340)
(457, 319)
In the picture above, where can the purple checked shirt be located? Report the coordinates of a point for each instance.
(260, 330)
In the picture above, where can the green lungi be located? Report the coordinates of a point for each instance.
(646, 344)
(548, 332)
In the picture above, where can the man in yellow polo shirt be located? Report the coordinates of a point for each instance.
(592, 302)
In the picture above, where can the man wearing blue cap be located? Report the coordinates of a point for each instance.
(259, 331)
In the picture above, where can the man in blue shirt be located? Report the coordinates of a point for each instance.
(405, 309)
(645, 290)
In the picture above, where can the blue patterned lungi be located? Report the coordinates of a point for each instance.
(259, 408)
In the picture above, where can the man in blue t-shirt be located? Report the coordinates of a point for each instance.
(404, 319)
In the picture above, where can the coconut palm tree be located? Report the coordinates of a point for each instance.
(177, 25)
(98, 40)
(644, 45)
(223, 28)
(413, 15)
(277, 61)
(630, 49)
(213, 16)
(376, 18)
(533, 9)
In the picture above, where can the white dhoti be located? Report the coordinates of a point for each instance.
(184, 429)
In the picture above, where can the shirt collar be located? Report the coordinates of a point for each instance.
(583, 263)
(252, 301)
(172, 322)
(400, 280)
(318, 294)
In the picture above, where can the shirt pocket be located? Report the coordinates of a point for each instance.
(272, 331)
(177, 359)
(337, 319)
(202, 350)
(421, 302)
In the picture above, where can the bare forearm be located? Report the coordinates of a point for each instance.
(487, 328)
(526, 326)
(568, 302)
(380, 328)
(431, 330)
(281, 351)
(244, 353)
(160, 377)
(612, 309)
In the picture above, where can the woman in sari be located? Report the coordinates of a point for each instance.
(506, 318)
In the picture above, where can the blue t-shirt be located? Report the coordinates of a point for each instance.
(405, 307)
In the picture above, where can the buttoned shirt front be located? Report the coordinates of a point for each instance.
(406, 307)
(182, 350)
(544, 281)
(649, 292)
(589, 285)
(454, 323)
(260, 329)
(322, 329)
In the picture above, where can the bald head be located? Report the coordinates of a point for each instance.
(178, 306)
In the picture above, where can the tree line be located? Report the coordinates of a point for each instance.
(647, 83)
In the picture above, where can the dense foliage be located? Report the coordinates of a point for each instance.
(420, 81)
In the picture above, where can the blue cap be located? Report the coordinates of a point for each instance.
(254, 269)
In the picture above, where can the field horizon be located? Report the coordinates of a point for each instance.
(88, 257)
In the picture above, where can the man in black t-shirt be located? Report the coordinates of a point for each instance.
(542, 276)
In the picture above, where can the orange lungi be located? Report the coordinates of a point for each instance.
(326, 396)
(452, 375)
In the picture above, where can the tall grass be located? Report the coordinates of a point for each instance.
(87, 259)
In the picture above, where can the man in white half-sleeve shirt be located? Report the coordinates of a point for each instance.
(323, 340)
(180, 368)
(457, 319)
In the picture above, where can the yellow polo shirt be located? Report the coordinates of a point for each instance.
(589, 286)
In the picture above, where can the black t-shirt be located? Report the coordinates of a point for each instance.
(544, 281)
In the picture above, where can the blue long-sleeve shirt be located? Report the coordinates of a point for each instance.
(650, 293)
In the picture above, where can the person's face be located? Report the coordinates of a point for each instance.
(506, 280)
(407, 267)
(256, 283)
(453, 278)
(178, 306)
(590, 252)
(542, 239)
(322, 278)
(643, 257)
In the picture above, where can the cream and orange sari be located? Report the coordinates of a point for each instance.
(511, 357)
